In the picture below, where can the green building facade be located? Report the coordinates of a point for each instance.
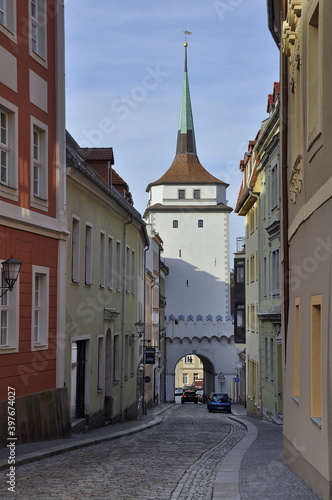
(105, 291)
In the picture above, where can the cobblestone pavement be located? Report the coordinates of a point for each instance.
(263, 474)
(175, 460)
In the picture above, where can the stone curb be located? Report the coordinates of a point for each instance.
(56, 450)
(226, 485)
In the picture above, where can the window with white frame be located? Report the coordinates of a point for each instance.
(133, 271)
(38, 27)
(40, 307)
(3, 12)
(116, 359)
(274, 189)
(39, 164)
(127, 269)
(197, 194)
(4, 147)
(8, 150)
(9, 319)
(118, 265)
(264, 277)
(101, 365)
(271, 359)
(188, 359)
(275, 277)
(266, 357)
(88, 254)
(132, 358)
(8, 16)
(75, 250)
(126, 357)
(185, 378)
(102, 260)
(110, 263)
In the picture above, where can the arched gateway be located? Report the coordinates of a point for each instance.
(218, 355)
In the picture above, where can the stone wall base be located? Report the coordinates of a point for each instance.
(39, 417)
(310, 475)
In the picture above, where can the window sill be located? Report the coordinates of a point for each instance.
(317, 421)
(39, 346)
(7, 348)
(296, 400)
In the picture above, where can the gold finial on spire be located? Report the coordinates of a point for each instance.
(185, 37)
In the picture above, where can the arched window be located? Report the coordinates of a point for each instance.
(200, 223)
(175, 223)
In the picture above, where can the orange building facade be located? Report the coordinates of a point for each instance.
(33, 225)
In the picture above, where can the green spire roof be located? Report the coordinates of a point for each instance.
(186, 136)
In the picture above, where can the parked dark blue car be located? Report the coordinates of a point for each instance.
(219, 401)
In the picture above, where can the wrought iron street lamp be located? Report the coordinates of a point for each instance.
(140, 327)
(11, 269)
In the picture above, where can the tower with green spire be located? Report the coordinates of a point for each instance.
(188, 208)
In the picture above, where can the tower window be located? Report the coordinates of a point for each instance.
(182, 194)
(200, 223)
(175, 223)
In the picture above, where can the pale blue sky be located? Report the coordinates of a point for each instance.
(124, 69)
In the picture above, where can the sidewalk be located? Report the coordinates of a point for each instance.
(254, 468)
(31, 452)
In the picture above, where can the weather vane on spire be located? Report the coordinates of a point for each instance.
(185, 36)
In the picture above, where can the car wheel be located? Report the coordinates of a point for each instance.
(210, 411)
(182, 402)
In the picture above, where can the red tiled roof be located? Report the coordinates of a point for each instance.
(187, 169)
(96, 154)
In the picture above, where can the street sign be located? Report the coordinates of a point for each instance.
(150, 355)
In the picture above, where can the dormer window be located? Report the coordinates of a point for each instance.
(182, 194)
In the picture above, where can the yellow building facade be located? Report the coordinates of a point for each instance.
(302, 30)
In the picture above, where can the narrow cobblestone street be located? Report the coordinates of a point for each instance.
(174, 460)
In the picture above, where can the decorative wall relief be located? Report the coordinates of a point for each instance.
(296, 179)
(291, 39)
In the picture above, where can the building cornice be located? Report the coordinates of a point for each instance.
(158, 207)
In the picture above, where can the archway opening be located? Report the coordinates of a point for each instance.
(193, 371)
